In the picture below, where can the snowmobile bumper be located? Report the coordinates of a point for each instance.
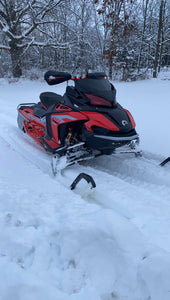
(107, 143)
(115, 139)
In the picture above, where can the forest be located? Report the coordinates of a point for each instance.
(128, 39)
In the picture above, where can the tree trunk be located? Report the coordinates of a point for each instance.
(162, 36)
(16, 57)
(110, 67)
(157, 51)
(142, 38)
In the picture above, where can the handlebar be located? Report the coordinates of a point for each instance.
(53, 77)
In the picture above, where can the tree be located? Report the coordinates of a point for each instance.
(84, 38)
(161, 38)
(118, 23)
(145, 14)
(18, 20)
(158, 43)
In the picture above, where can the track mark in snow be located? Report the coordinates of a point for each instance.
(22, 144)
(140, 172)
(143, 204)
(125, 177)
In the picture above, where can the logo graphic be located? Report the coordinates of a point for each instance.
(124, 122)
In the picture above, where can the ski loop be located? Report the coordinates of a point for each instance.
(164, 162)
(81, 176)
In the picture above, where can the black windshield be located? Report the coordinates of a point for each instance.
(99, 87)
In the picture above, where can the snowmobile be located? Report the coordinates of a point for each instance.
(85, 122)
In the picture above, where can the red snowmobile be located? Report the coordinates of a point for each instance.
(83, 123)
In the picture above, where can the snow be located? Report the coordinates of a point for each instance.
(111, 243)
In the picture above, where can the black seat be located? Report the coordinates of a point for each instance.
(48, 98)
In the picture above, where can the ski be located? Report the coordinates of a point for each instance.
(164, 162)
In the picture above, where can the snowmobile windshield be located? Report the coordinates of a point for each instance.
(99, 91)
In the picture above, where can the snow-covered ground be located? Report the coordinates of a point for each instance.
(57, 244)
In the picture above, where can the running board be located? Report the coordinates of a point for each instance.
(137, 153)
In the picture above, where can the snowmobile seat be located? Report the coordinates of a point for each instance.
(48, 98)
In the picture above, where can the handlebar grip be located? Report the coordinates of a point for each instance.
(54, 77)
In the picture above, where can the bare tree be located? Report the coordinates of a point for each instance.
(145, 14)
(18, 20)
(163, 36)
(118, 25)
(158, 43)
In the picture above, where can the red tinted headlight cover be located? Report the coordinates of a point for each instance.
(96, 100)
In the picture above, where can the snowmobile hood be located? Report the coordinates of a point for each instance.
(99, 87)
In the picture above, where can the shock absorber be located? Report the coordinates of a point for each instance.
(69, 138)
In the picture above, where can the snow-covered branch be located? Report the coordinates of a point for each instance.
(3, 47)
(46, 44)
